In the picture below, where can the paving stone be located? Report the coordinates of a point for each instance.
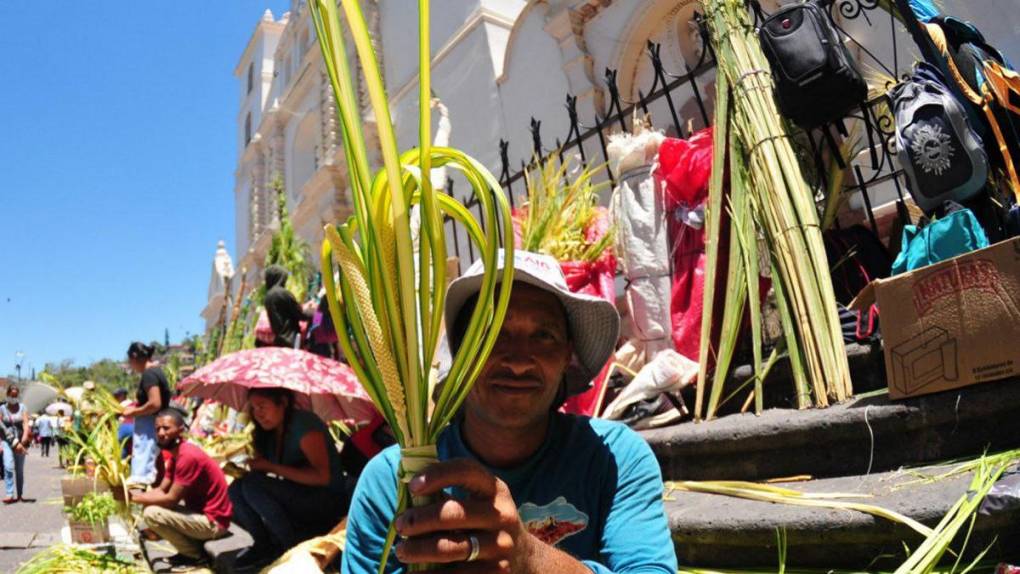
(46, 539)
(16, 539)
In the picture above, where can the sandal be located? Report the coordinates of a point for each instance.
(10, 500)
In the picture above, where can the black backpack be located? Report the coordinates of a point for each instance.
(817, 81)
(941, 155)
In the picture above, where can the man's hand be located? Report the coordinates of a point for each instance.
(440, 533)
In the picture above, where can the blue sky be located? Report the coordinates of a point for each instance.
(116, 169)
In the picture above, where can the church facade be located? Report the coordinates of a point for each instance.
(499, 68)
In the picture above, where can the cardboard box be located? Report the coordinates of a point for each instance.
(84, 533)
(950, 325)
(74, 488)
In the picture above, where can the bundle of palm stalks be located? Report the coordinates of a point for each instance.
(390, 301)
(562, 217)
(767, 196)
(223, 447)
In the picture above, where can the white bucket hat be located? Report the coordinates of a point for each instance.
(594, 322)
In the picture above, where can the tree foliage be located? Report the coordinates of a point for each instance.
(287, 248)
(107, 373)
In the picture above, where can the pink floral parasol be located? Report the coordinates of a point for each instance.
(326, 387)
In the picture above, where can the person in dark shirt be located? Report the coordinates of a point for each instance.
(190, 476)
(296, 488)
(284, 312)
(153, 396)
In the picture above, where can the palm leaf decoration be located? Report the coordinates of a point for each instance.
(388, 300)
(561, 205)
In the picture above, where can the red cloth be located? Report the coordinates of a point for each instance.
(363, 438)
(682, 175)
(205, 486)
(592, 278)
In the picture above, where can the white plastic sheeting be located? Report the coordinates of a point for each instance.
(642, 246)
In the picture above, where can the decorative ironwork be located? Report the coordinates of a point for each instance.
(536, 136)
(821, 145)
(853, 9)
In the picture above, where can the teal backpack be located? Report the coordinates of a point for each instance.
(955, 234)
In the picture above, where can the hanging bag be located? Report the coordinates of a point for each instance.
(817, 81)
(953, 235)
(9, 430)
(941, 155)
(986, 83)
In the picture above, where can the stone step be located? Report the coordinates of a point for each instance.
(222, 552)
(847, 439)
(867, 370)
(716, 531)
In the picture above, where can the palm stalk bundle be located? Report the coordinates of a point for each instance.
(768, 197)
(562, 206)
(390, 301)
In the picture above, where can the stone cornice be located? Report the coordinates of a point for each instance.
(262, 27)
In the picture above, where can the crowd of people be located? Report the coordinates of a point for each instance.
(528, 488)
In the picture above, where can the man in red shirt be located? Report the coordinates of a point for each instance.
(189, 476)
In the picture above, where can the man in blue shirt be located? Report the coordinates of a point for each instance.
(524, 488)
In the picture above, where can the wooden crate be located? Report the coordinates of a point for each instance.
(84, 533)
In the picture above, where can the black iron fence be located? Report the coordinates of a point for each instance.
(872, 167)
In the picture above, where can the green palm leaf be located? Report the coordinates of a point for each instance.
(391, 302)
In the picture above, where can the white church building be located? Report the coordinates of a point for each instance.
(498, 65)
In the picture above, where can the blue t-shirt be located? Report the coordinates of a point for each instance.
(593, 490)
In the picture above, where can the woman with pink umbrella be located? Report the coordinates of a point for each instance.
(297, 487)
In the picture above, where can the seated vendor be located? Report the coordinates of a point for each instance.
(296, 488)
(186, 474)
(548, 492)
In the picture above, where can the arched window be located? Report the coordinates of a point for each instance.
(251, 76)
(247, 128)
